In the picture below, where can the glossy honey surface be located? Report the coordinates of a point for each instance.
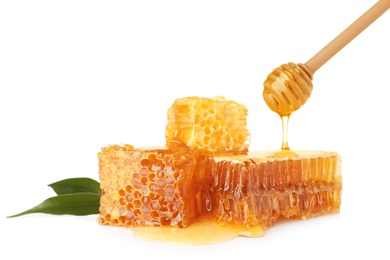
(286, 89)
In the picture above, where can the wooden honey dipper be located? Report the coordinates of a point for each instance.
(289, 86)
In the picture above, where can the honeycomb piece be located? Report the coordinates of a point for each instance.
(258, 189)
(142, 187)
(209, 125)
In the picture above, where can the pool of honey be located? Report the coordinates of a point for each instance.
(202, 232)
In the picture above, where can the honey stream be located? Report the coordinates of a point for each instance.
(285, 120)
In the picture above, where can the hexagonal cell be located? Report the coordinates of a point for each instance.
(161, 183)
(169, 189)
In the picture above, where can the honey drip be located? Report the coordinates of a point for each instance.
(285, 132)
(286, 89)
(285, 151)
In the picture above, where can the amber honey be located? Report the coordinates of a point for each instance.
(242, 194)
(259, 188)
(208, 125)
(155, 187)
(205, 186)
(202, 232)
(287, 88)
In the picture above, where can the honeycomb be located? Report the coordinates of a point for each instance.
(208, 125)
(257, 189)
(152, 187)
(205, 170)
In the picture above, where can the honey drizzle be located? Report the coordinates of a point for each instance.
(285, 152)
(285, 120)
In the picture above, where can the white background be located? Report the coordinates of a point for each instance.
(76, 76)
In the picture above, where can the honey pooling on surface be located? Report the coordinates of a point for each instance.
(153, 187)
(258, 189)
(209, 125)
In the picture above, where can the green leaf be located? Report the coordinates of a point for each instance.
(78, 204)
(76, 185)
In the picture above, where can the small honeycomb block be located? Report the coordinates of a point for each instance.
(208, 125)
(147, 187)
(259, 188)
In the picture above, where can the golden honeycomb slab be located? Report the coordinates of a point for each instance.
(153, 187)
(208, 125)
(259, 188)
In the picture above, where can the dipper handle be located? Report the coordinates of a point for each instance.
(326, 53)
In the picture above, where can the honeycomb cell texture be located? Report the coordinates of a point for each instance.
(256, 189)
(153, 187)
(208, 125)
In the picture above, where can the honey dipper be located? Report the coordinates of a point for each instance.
(289, 86)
